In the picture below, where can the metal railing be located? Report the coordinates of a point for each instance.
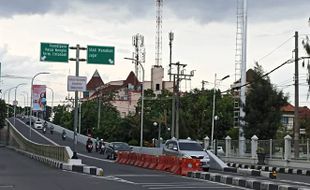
(16, 139)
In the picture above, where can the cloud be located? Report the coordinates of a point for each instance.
(203, 11)
(9, 8)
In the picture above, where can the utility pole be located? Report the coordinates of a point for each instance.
(76, 109)
(296, 115)
(99, 111)
(178, 77)
(173, 109)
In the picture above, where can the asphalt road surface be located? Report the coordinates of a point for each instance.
(116, 176)
(133, 174)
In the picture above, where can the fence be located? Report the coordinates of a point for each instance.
(14, 138)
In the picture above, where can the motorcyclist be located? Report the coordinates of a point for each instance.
(51, 129)
(101, 146)
(89, 144)
(97, 144)
(63, 135)
(44, 127)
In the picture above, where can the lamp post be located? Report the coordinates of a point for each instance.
(24, 103)
(26, 99)
(15, 102)
(213, 107)
(159, 130)
(142, 98)
(52, 99)
(31, 96)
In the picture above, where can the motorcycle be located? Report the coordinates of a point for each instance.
(89, 147)
(44, 130)
(63, 136)
(97, 147)
(102, 148)
(52, 129)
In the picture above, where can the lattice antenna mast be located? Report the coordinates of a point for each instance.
(240, 69)
(139, 52)
(158, 39)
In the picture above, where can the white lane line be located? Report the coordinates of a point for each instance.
(100, 159)
(6, 186)
(140, 175)
(190, 187)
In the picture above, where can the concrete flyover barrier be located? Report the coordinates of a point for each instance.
(52, 155)
(17, 140)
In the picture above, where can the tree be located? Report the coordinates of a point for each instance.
(262, 109)
(2, 112)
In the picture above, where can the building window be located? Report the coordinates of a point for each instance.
(157, 87)
(284, 120)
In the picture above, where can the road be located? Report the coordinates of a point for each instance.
(118, 176)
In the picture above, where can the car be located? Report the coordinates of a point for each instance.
(38, 124)
(113, 148)
(186, 148)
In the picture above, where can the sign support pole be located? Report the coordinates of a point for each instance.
(76, 111)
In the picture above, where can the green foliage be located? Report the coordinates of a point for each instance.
(2, 112)
(263, 103)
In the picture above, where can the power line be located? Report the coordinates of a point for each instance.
(275, 49)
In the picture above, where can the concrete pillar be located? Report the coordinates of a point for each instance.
(254, 142)
(227, 146)
(241, 146)
(161, 141)
(270, 148)
(206, 141)
(287, 147)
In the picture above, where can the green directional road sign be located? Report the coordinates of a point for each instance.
(100, 55)
(54, 52)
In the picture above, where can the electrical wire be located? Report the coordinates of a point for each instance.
(278, 47)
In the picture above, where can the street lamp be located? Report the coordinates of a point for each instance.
(26, 99)
(142, 98)
(52, 100)
(31, 96)
(213, 108)
(159, 129)
(15, 102)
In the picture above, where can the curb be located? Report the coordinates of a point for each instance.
(250, 172)
(92, 170)
(270, 169)
(251, 183)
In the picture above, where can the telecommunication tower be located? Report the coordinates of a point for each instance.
(240, 70)
(139, 52)
(158, 38)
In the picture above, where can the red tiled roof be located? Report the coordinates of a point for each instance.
(304, 112)
(288, 108)
(94, 82)
(132, 79)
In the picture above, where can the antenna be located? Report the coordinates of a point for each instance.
(158, 39)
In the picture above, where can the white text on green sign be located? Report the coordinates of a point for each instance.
(54, 52)
(100, 55)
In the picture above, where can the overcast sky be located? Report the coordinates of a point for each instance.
(205, 32)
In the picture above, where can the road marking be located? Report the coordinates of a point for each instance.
(182, 187)
(100, 159)
(141, 175)
(7, 186)
(114, 178)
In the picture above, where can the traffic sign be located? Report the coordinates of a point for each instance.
(100, 55)
(77, 83)
(54, 52)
